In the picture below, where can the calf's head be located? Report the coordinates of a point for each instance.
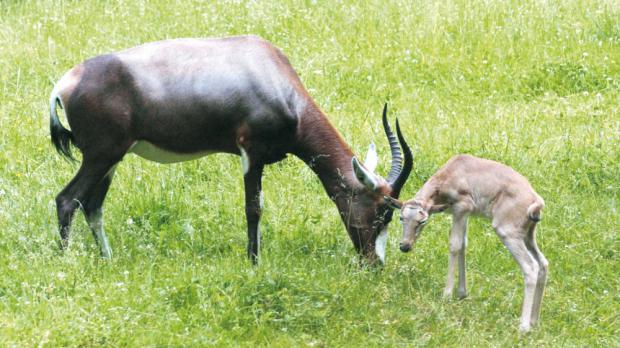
(414, 216)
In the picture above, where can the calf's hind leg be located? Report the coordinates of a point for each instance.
(530, 243)
(514, 241)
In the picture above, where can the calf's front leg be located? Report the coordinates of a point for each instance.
(457, 245)
(462, 289)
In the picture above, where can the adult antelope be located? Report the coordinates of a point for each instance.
(177, 100)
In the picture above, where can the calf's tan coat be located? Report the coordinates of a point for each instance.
(469, 185)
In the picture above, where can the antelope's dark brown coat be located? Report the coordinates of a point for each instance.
(190, 97)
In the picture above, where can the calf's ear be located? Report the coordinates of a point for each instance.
(437, 208)
(393, 202)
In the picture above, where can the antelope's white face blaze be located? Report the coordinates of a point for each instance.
(380, 244)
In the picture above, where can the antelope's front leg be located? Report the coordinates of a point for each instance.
(253, 206)
(457, 241)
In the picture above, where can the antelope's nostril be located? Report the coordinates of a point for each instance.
(405, 247)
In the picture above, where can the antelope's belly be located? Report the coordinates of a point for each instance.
(154, 153)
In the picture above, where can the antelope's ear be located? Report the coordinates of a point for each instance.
(362, 174)
(393, 202)
(371, 158)
(437, 208)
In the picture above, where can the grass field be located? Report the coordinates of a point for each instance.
(533, 84)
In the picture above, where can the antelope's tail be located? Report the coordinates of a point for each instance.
(62, 138)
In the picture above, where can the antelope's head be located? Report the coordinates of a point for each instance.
(369, 214)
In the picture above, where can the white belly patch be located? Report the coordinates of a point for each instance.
(151, 152)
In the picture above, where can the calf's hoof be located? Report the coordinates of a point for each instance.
(524, 328)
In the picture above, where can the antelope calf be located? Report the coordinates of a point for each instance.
(470, 185)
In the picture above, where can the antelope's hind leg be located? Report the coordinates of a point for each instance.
(88, 180)
(93, 211)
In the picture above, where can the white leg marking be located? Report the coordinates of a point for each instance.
(245, 160)
(380, 244)
(95, 221)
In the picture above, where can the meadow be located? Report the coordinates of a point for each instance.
(533, 84)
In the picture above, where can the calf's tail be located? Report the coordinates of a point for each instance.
(535, 209)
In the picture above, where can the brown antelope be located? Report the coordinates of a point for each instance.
(467, 185)
(177, 100)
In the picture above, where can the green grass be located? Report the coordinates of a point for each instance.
(535, 85)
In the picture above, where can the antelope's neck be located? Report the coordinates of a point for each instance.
(322, 148)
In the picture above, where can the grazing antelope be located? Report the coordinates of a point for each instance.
(470, 185)
(177, 100)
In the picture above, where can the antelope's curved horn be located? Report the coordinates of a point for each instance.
(400, 171)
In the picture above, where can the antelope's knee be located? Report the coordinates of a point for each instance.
(64, 206)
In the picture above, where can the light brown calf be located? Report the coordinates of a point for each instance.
(470, 185)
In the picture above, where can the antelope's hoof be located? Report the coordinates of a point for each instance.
(462, 295)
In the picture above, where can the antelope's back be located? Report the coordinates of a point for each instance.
(190, 95)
